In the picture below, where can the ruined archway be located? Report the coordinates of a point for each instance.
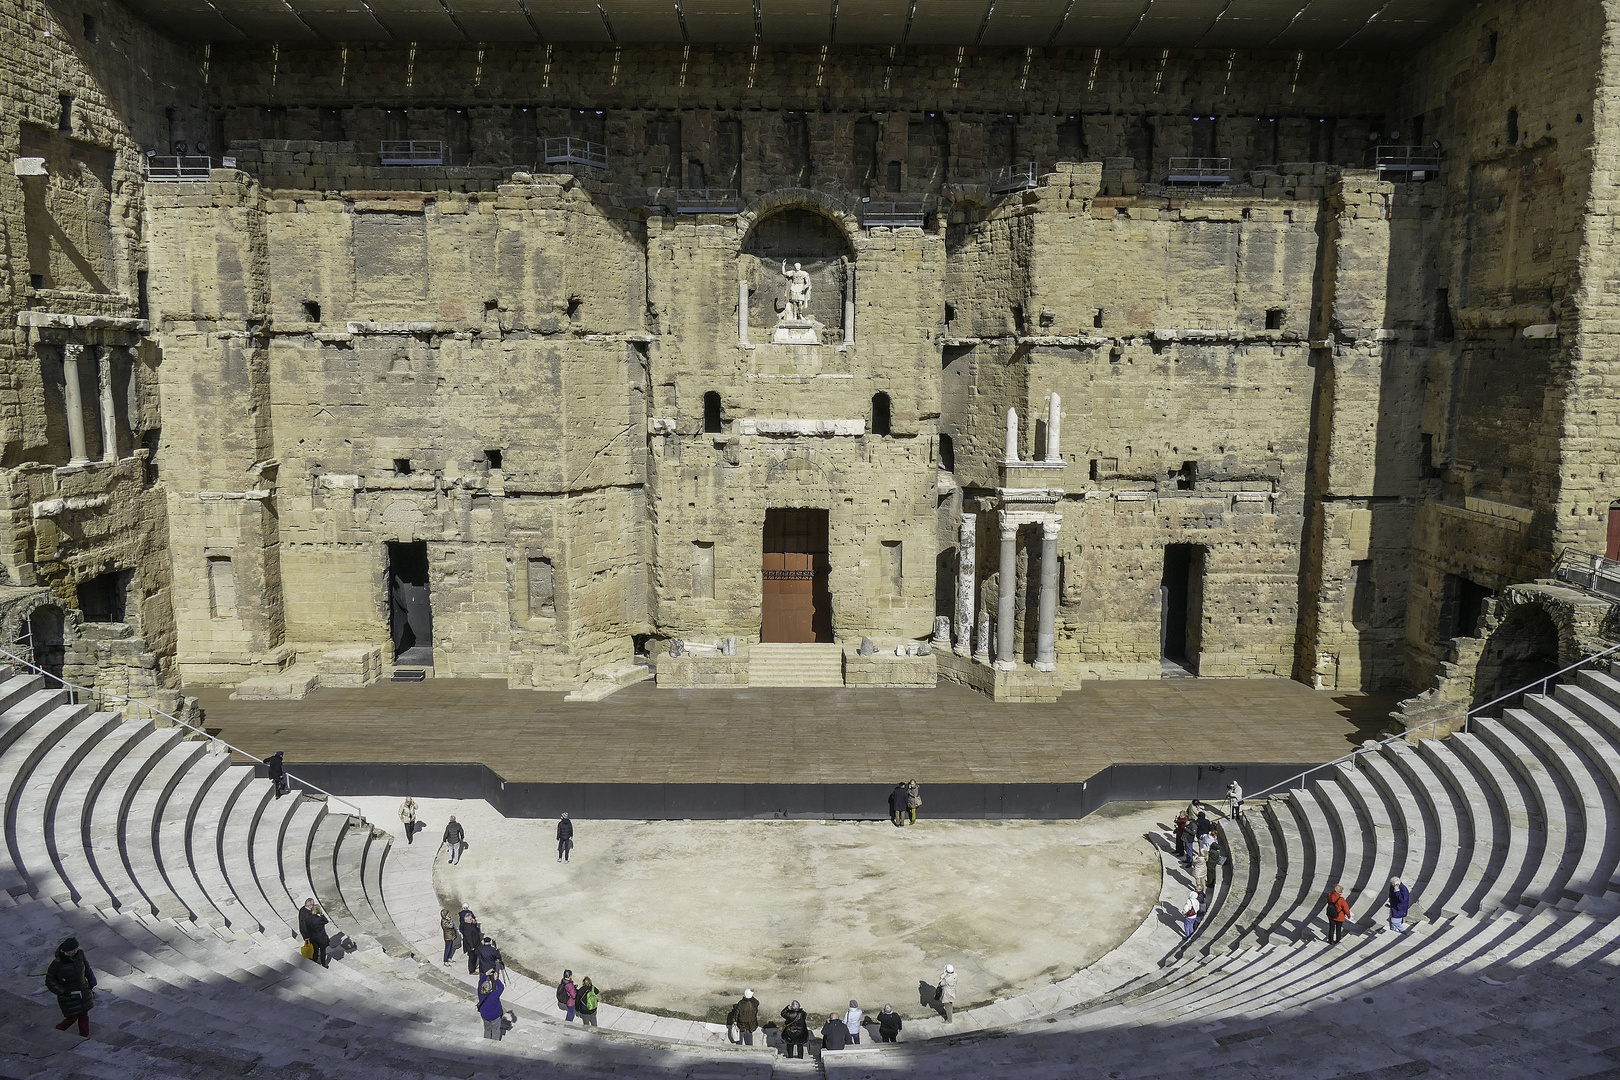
(801, 234)
(1521, 650)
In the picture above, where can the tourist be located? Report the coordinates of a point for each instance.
(1202, 827)
(1338, 910)
(795, 1030)
(407, 817)
(1189, 915)
(447, 923)
(489, 1005)
(456, 837)
(897, 804)
(565, 838)
(1400, 901)
(69, 977)
(1198, 869)
(1183, 833)
(312, 924)
(472, 936)
(586, 1002)
(489, 957)
(852, 1021)
(1234, 798)
(833, 1033)
(567, 993)
(945, 993)
(276, 769)
(745, 1018)
(889, 1024)
(913, 799)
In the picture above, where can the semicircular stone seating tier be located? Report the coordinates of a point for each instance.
(182, 873)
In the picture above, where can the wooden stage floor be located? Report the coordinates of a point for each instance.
(803, 736)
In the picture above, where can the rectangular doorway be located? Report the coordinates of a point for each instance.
(409, 609)
(797, 600)
(1181, 608)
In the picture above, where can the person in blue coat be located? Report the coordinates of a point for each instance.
(1400, 902)
(489, 1005)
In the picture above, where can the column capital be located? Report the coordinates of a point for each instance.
(1050, 527)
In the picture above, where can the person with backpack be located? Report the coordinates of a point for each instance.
(1400, 902)
(447, 924)
(472, 936)
(69, 977)
(567, 992)
(312, 925)
(1338, 911)
(745, 1018)
(565, 838)
(889, 1024)
(833, 1033)
(455, 837)
(795, 1030)
(586, 1002)
(1189, 915)
(489, 1005)
(275, 767)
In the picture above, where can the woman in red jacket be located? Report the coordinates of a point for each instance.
(1338, 910)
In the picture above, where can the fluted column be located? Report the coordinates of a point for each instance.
(71, 352)
(109, 418)
(1046, 630)
(1008, 593)
(966, 564)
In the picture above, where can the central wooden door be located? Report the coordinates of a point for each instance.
(797, 600)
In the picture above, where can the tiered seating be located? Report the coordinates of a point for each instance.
(181, 872)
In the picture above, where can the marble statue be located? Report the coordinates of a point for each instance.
(798, 301)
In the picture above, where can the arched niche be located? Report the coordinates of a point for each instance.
(1524, 648)
(796, 234)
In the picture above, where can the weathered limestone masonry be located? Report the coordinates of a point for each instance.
(493, 418)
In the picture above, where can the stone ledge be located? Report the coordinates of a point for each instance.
(1022, 684)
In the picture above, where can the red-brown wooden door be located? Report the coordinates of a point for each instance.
(797, 602)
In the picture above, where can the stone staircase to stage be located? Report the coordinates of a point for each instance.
(795, 665)
(182, 873)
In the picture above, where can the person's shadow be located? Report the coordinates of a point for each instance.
(925, 996)
(1170, 915)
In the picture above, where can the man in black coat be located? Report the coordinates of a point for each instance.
(69, 977)
(454, 837)
(312, 925)
(489, 957)
(565, 838)
(897, 805)
(276, 769)
(833, 1033)
(471, 938)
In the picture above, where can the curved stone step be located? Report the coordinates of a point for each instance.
(1306, 919)
(1443, 826)
(1370, 894)
(103, 834)
(1412, 820)
(26, 701)
(1351, 830)
(1297, 862)
(70, 824)
(323, 878)
(1525, 835)
(173, 829)
(29, 818)
(297, 845)
(236, 846)
(1242, 930)
(269, 833)
(1481, 821)
(138, 831)
(17, 764)
(376, 855)
(1584, 786)
(1562, 829)
(205, 839)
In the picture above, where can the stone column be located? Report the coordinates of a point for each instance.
(109, 419)
(75, 403)
(1054, 421)
(1046, 630)
(1008, 593)
(967, 556)
(742, 312)
(1012, 435)
(981, 640)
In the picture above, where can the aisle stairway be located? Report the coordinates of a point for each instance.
(795, 665)
(181, 873)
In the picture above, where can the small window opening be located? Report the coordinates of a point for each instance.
(1274, 318)
(103, 598)
(402, 466)
(492, 458)
(947, 453)
(574, 303)
(36, 281)
(893, 177)
(1187, 476)
(64, 118)
(1096, 468)
(711, 412)
(1444, 328)
(1018, 319)
(491, 305)
(143, 306)
(312, 311)
(880, 413)
(950, 312)
(1513, 127)
(1097, 318)
(1429, 469)
(1488, 47)
(90, 28)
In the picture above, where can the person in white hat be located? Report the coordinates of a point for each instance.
(745, 1017)
(945, 992)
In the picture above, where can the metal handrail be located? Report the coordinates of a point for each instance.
(567, 150)
(1463, 716)
(1407, 159)
(895, 212)
(707, 201)
(1200, 170)
(412, 152)
(1586, 570)
(1012, 178)
(155, 711)
(178, 167)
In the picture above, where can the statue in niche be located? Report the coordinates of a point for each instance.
(798, 301)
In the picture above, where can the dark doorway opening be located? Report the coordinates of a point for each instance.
(46, 626)
(102, 599)
(1181, 608)
(1462, 606)
(1612, 547)
(797, 603)
(1522, 650)
(409, 608)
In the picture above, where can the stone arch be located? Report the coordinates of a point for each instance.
(40, 622)
(1524, 647)
(817, 202)
(797, 233)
